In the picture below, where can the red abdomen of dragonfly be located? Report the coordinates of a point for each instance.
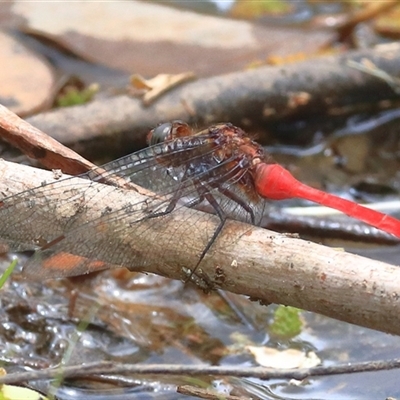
(274, 182)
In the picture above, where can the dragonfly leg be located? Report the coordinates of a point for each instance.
(234, 197)
(174, 200)
(205, 194)
(171, 207)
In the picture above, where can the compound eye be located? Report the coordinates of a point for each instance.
(168, 131)
(180, 129)
(159, 134)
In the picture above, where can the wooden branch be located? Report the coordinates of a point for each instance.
(112, 368)
(258, 96)
(36, 144)
(267, 266)
(50, 153)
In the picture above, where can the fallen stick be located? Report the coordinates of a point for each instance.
(106, 367)
(267, 266)
(259, 96)
(37, 145)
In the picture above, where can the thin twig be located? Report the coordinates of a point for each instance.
(370, 68)
(96, 368)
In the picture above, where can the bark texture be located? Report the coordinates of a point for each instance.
(269, 267)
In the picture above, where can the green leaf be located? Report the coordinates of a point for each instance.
(287, 322)
(73, 96)
(7, 272)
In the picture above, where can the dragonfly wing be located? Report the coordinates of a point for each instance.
(36, 217)
(57, 219)
(132, 237)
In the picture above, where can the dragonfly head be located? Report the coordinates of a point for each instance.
(168, 131)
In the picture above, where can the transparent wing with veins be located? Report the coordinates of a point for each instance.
(58, 230)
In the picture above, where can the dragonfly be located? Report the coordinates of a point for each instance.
(220, 169)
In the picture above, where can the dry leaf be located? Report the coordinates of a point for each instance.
(151, 89)
(283, 359)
